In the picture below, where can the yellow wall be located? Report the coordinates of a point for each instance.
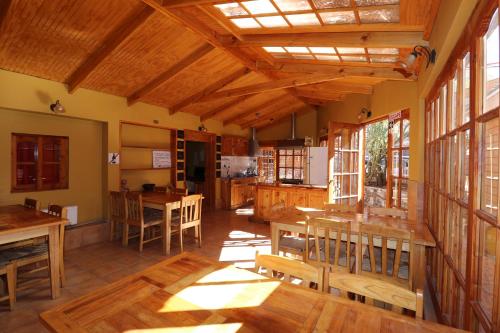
(305, 125)
(28, 93)
(345, 111)
(85, 154)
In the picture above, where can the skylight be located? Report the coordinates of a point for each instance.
(338, 54)
(258, 14)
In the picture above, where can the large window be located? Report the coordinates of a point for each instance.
(462, 179)
(266, 164)
(399, 159)
(39, 162)
(291, 164)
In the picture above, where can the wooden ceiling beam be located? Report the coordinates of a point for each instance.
(219, 84)
(187, 61)
(327, 96)
(188, 3)
(4, 9)
(407, 39)
(375, 27)
(112, 41)
(273, 116)
(273, 85)
(340, 88)
(257, 109)
(339, 69)
(214, 112)
(431, 18)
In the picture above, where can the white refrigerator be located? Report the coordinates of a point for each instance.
(316, 169)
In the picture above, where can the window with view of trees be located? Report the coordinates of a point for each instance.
(39, 162)
(290, 164)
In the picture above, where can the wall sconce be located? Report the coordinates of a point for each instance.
(202, 128)
(57, 107)
(364, 114)
(419, 50)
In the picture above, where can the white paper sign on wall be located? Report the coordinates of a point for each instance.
(114, 158)
(161, 159)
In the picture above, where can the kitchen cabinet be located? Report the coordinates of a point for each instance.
(238, 192)
(234, 146)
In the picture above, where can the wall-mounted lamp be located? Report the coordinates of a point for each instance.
(430, 55)
(364, 114)
(202, 128)
(57, 107)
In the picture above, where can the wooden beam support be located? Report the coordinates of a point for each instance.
(170, 73)
(327, 96)
(273, 85)
(189, 3)
(209, 90)
(431, 18)
(375, 27)
(212, 113)
(112, 41)
(4, 9)
(345, 71)
(258, 109)
(407, 39)
(273, 116)
(339, 87)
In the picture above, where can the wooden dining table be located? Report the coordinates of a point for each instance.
(192, 293)
(165, 202)
(19, 223)
(294, 220)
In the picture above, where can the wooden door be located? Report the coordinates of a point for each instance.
(345, 164)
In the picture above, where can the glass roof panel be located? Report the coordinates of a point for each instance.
(322, 4)
(327, 57)
(303, 56)
(292, 5)
(281, 55)
(346, 17)
(272, 21)
(259, 6)
(354, 58)
(389, 15)
(245, 23)
(381, 50)
(297, 49)
(303, 19)
(351, 50)
(231, 9)
(361, 3)
(384, 59)
(322, 50)
(274, 49)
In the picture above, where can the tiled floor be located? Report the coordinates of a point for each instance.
(227, 237)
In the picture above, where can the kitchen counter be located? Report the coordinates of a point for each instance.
(287, 195)
(238, 192)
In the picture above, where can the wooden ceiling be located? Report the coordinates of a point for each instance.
(248, 63)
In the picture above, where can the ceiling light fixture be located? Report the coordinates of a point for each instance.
(419, 50)
(57, 107)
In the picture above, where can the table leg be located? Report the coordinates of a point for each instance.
(167, 233)
(275, 237)
(419, 264)
(54, 257)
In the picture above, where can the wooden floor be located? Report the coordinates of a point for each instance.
(227, 237)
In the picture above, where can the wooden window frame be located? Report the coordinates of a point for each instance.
(39, 162)
(294, 167)
(454, 287)
(265, 167)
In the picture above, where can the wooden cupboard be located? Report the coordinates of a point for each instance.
(290, 195)
(234, 146)
(238, 192)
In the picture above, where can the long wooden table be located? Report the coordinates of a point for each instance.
(294, 220)
(191, 293)
(20, 223)
(166, 203)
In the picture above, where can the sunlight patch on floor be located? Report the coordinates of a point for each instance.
(207, 328)
(244, 211)
(240, 248)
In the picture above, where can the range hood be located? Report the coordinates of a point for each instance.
(253, 146)
(292, 141)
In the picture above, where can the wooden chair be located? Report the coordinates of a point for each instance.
(333, 249)
(36, 257)
(134, 216)
(7, 270)
(289, 243)
(390, 212)
(289, 268)
(377, 290)
(190, 217)
(32, 203)
(336, 208)
(386, 253)
(116, 211)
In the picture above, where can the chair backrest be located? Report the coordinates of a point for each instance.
(323, 230)
(290, 268)
(134, 209)
(57, 210)
(393, 245)
(191, 208)
(374, 289)
(336, 208)
(390, 212)
(117, 205)
(32, 203)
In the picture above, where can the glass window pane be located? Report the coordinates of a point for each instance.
(26, 152)
(303, 19)
(321, 4)
(346, 17)
(443, 110)
(272, 21)
(292, 5)
(491, 69)
(259, 6)
(453, 88)
(297, 174)
(489, 168)
(464, 165)
(396, 134)
(466, 89)
(282, 173)
(487, 259)
(406, 133)
(364, 3)
(354, 58)
(51, 152)
(405, 163)
(26, 174)
(395, 192)
(464, 220)
(289, 161)
(437, 114)
(231, 9)
(245, 23)
(50, 173)
(395, 163)
(379, 15)
(289, 173)
(404, 194)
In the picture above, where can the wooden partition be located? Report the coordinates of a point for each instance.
(462, 179)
